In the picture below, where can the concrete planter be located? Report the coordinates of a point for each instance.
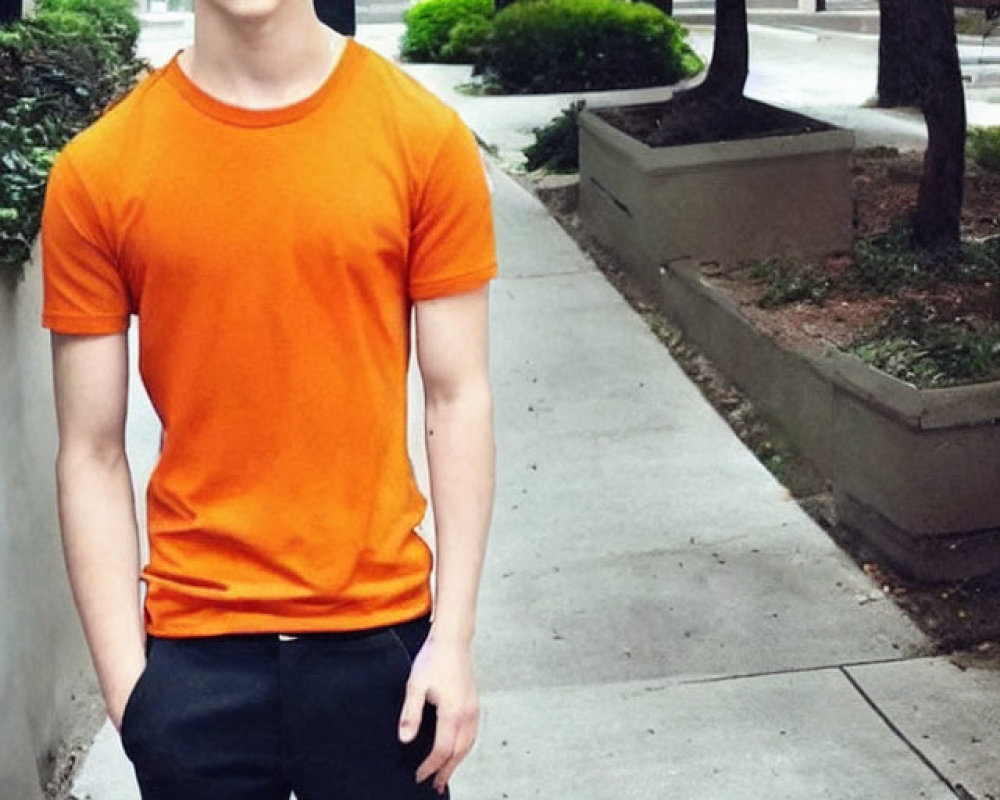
(724, 201)
(916, 473)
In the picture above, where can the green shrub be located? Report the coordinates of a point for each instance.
(114, 20)
(467, 40)
(557, 145)
(984, 147)
(584, 45)
(429, 26)
(58, 71)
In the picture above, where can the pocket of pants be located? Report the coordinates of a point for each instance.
(410, 636)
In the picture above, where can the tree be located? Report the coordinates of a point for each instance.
(666, 6)
(730, 64)
(919, 66)
(937, 218)
(338, 14)
(896, 84)
(10, 10)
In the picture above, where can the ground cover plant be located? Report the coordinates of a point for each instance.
(927, 316)
(58, 71)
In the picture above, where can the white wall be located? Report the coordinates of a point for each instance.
(47, 686)
(43, 661)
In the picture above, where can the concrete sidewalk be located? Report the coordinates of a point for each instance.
(658, 619)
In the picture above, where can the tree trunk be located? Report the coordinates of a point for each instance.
(896, 83)
(10, 10)
(937, 219)
(666, 6)
(727, 71)
(338, 14)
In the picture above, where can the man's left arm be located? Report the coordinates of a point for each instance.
(452, 351)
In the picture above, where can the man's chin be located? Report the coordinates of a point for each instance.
(248, 10)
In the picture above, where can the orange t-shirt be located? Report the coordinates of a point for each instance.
(272, 258)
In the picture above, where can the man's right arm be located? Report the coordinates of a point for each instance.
(97, 509)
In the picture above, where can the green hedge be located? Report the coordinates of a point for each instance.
(467, 40)
(429, 26)
(58, 71)
(113, 21)
(584, 45)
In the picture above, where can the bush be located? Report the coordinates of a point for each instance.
(584, 45)
(113, 19)
(429, 27)
(467, 40)
(58, 71)
(984, 147)
(557, 145)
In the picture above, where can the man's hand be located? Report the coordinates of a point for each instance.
(452, 352)
(442, 676)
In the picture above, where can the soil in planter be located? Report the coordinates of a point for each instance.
(873, 303)
(682, 120)
(961, 618)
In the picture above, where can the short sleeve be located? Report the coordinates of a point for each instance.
(84, 290)
(452, 246)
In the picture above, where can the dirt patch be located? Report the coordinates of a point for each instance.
(839, 303)
(885, 190)
(960, 618)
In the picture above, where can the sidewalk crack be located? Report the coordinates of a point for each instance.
(794, 671)
(956, 789)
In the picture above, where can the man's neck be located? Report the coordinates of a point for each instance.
(265, 60)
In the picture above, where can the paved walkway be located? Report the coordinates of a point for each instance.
(658, 619)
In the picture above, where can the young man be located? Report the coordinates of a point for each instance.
(273, 206)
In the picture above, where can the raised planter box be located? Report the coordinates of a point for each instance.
(916, 473)
(722, 201)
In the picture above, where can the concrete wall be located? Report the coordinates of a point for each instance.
(726, 201)
(916, 473)
(43, 660)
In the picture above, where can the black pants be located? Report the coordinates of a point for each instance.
(257, 717)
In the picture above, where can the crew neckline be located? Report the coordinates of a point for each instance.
(260, 117)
